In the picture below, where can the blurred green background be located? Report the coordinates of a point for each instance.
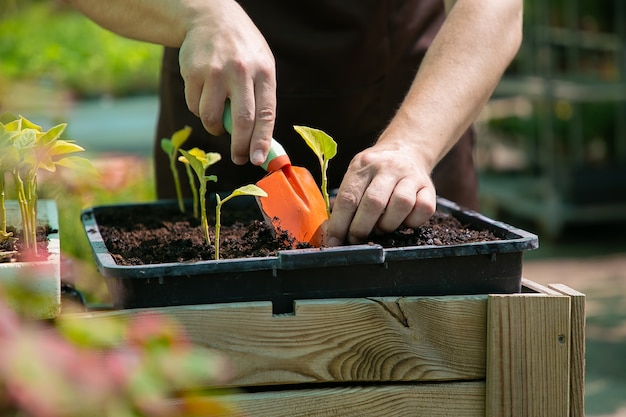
(48, 44)
(551, 145)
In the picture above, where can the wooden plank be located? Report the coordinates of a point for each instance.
(577, 353)
(465, 399)
(528, 347)
(350, 340)
(529, 286)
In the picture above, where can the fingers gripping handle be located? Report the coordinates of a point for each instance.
(276, 158)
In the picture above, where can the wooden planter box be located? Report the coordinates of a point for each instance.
(478, 355)
(42, 279)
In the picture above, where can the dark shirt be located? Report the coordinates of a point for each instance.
(342, 67)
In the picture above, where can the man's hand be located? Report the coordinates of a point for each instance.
(222, 55)
(225, 56)
(389, 183)
(385, 186)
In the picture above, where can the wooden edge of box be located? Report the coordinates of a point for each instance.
(528, 353)
(577, 370)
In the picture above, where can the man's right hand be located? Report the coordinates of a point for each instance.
(225, 56)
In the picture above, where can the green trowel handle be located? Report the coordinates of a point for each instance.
(276, 158)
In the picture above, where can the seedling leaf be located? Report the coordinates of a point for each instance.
(250, 190)
(170, 147)
(200, 161)
(325, 148)
(319, 141)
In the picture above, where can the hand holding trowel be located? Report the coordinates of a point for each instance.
(294, 202)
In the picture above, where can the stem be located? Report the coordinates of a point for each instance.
(194, 190)
(179, 193)
(218, 222)
(325, 187)
(31, 201)
(3, 210)
(218, 225)
(21, 199)
(205, 223)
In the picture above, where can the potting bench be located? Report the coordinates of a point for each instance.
(476, 355)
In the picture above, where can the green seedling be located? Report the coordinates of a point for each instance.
(171, 147)
(25, 149)
(325, 148)
(249, 190)
(200, 161)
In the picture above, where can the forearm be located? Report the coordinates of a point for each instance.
(163, 22)
(458, 75)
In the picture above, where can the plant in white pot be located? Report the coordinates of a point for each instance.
(25, 150)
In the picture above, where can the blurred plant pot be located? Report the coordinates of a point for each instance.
(368, 270)
(35, 286)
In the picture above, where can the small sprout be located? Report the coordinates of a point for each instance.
(325, 148)
(171, 147)
(200, 161)
(250, 190)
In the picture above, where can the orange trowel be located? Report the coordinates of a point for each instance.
(294, 202)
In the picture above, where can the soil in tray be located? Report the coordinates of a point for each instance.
(140, 236)
(13, 249)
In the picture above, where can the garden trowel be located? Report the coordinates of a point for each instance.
(294, 201)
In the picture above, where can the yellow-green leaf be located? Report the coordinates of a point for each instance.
(179, 137)
(27, 124)
(51, 135)
(78, 163)
(250, 189)
(211, 158)
(64, 147)
(319, 141)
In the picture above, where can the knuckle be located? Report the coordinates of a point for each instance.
(404, 201)
(244, 118)
(374, 202)
(347, 201)
(358, 235)
(212, 124)
(266, 114)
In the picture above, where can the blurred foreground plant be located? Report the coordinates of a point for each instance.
(25, 150)
(104, 366)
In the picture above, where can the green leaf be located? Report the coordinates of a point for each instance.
(167, 146)
(212, 158)
(51, 135)
(319, 141)
(64, 147)
(249, 189)
(79, 164)
(180, 137)
(27, 124)
(193, 161)
(26, 139)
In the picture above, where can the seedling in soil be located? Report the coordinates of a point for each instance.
(171, 147)
(249, 190)
(26, 148)
(200, 161)
(325, 148)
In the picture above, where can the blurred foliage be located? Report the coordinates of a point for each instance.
(45, 43)
(576, 42)
(77, 366)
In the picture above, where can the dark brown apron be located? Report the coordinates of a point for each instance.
(343, 67)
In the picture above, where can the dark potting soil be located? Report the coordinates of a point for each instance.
(14, 249)
(140, 237)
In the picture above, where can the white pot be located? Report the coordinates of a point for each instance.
(41, 279)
